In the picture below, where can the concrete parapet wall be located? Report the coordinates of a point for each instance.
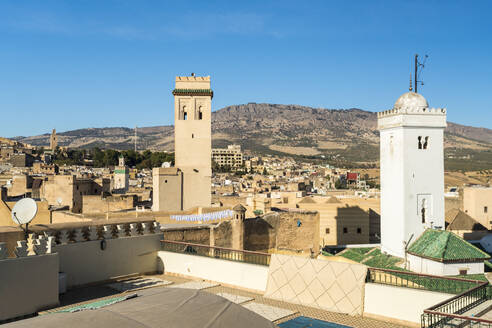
(87, 262)
(28, 285)
(399, 303)
(327, 285)
(243, 275)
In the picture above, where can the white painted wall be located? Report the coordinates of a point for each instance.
(422, 265)
(408, 175)
(398, 302)
(245, 275)
(28, 285)
(85, 262)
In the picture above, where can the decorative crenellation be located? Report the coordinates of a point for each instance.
(78, 235)
(3, 251)
(40, 245)
(121, 230)
(47, 241)
(134, 229)
(146, 228)
(192, 78)
(107, 232)
(92, 233)
(21, 250)
(412, 110)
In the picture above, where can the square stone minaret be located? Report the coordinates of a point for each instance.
(412, 171)
(53, 140)
(193, 138)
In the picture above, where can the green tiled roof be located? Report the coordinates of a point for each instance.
(195, 92)
(445, 246)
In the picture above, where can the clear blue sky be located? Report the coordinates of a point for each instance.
(76, 64)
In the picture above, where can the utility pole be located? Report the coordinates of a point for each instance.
(135, 138)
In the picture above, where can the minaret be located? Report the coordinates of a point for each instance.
(193, 138)
(412, 171)
(53, 140)
(121, 176)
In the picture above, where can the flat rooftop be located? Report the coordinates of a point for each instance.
(96, 293)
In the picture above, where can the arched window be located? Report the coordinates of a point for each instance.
(200, 113)
(185, 116)
(426, 142)
(420, 142)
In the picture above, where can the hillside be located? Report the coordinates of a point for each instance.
(347, 135)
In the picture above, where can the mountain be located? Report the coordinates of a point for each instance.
(348, 134)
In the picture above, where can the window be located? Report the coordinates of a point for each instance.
(165, 181)
(485, 209)
(422, 210)
(345, 230)
(327, 230)
(200, 113)
(359, 230)
(423, 142)
(463, 272)
(185, 116)
(192, 135)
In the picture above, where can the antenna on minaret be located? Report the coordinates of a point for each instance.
(418, 67)
(135, 138)
(410, 87)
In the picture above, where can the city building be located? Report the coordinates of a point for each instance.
(412, 193)
(477, 203)
(231, 157)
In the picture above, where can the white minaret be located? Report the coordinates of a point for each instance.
(412, 171)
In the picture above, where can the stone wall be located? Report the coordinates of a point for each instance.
(222, 234)
(281, 230)
(98, 204)
(195, 235)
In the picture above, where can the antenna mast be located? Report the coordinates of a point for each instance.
(418, 67)
(135, 138)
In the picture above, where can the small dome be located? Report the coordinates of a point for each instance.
(411, 100)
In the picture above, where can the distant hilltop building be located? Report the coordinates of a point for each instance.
(188, 184)
(231, 156)
(412, 171)
(53, 140)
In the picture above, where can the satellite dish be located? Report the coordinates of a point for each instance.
(59, 201)
(24, 211)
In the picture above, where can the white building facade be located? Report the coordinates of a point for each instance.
(412, 171)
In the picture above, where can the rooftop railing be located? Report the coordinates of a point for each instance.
(216, 252)
(420, 281)
(455, 312)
